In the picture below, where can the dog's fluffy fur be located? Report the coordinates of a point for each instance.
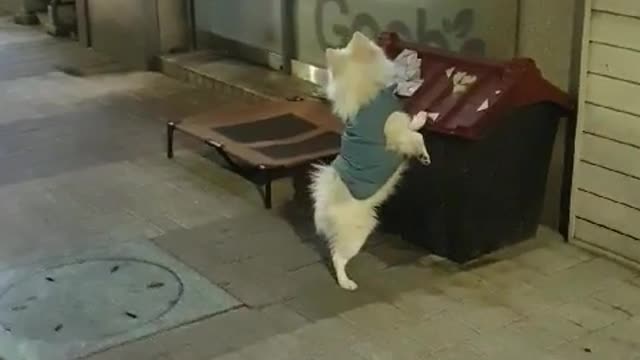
(357, 73)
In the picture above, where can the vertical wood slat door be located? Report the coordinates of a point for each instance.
(605, 210)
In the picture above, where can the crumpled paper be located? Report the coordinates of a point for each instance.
(420, 119)
(407, 74)
(462, 81)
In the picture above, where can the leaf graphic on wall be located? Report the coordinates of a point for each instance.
(476, 47)
(461, 25)
(447, 26)
(434, 38)
(401, 29)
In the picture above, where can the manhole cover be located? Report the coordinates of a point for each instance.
(89, 300)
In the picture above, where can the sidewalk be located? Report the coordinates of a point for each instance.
(83, 168)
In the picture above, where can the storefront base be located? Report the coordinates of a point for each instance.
(134, 33)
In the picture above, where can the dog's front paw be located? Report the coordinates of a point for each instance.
(418, 121)
(424, 157)
(348, 284)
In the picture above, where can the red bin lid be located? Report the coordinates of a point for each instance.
(499, 88)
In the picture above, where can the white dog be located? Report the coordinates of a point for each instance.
(377, 141)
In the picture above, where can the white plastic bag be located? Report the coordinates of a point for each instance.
(407, 73)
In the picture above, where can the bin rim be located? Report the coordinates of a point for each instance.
(501, 87)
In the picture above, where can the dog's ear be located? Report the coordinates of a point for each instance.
(359, 39)
(334, 59)
(361, 47)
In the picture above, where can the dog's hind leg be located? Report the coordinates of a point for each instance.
(347, 242)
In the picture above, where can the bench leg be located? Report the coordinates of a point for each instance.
(171, 127)
(267, 191)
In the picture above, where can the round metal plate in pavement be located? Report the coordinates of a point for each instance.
(89, 300)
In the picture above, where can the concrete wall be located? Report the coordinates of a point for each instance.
(14, 6)
(10, 6)
(546, 35)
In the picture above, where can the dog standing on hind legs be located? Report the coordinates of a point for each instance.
(378, 140)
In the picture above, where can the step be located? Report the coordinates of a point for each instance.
(210, 69)
(44, 21)
(67, 16)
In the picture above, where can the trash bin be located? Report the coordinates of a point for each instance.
(490, 146)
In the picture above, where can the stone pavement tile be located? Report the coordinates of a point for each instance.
(392, 347)
(123, 226)
(621, 295)
(619, 341)
(176, 105)
(24, 240)
(116, 176)
(117, 223)
(507, 346)
(189, 209)
(209, 338)
(422, 304)
(195, 161)
(334, 337)
(231, 243)
(99, 196)
(527, 300)
(524, 339)
(546, 253)
(28, 135)
(438, 333)
(212, 172)
(30, 165)
(283, 347)
(319, 303)
(379, 319)
(27, 58)
(409, 288)
(13, 34)
(547, 330)
(590, 314)
(186, 209)
(506, 274)
(392, 251)
(323, 340)
(539, 336)
(464, 285)
(548, 260)
(259, 222)
(462, 351)
(43, 223)
(299, 214)
(537, 294)
(483, 314)
(228, 356)
(106, 116)
(382, 330)
(257, 280)
(122, 187)
(55, 92)
(582, 280)
(278, 287)
(64, 156)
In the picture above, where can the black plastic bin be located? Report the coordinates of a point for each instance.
(477, 196)
(486, 184)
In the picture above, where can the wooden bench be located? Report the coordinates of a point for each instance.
(265, 141)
